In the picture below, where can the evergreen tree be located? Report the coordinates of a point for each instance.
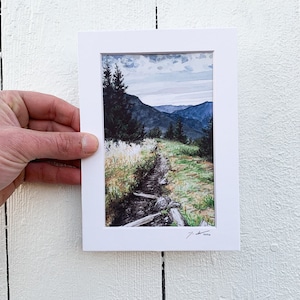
(108, 100)
(178, 133)
(154, 133)
(170, 132)
(107, 78)
(205, 144)
(118, 121)
(118, 83)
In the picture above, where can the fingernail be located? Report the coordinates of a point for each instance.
(89, 144)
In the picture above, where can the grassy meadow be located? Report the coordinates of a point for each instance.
(191, 182)
(190, 178)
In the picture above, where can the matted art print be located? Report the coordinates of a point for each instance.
(163, 105)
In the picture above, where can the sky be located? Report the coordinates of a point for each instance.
(166, 79)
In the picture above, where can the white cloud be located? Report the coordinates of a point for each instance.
(167, 78)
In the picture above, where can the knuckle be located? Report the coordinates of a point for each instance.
(64, 143)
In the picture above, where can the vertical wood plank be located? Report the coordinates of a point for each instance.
(3, 273)
(45, 256)
(266, 267)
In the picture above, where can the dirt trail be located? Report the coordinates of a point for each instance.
(137, 207)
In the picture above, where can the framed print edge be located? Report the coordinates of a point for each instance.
(225, 234)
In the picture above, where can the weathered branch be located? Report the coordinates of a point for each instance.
(176, 216)
(142, 221)
(145, 195)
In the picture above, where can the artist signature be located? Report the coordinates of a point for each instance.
(204, 232)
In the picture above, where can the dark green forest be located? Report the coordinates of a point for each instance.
(118, 121)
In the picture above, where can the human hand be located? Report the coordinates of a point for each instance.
(39, 141)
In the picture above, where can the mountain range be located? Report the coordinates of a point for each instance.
(193, 117)
(170, 108)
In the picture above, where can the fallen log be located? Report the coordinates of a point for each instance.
(176, 216)
(161, 203)
(145, 195)
(142, 221)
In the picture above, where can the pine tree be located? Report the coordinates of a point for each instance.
(107, 78)
(109, 103)
(118, 121)
(118, 83)
(205, 144)
(154, 133)
(170, 132)
(179, 133)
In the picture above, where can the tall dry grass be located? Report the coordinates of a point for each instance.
(125, 165)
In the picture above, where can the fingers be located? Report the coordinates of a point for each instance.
(48, 107)
(59, 145)
(52, 132)
(37, 106)
(45, 172)
(42, 125)
(66, 163)
(24, 145)
(15, 109)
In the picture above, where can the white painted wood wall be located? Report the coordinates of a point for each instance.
(43, 246)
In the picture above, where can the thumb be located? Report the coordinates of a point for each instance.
(58, 145)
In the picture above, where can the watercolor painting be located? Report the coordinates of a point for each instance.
(164, 107)
(158, 128)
